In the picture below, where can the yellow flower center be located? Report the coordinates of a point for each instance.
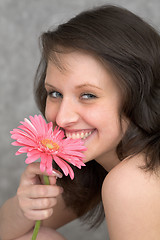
(50, 144)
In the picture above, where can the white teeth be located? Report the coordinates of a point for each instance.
(78, 136)
(86, 135)
(81, 135)
(74, 136)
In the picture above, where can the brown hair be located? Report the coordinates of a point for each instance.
(131, 48)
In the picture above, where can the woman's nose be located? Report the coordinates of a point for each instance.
(67, 114)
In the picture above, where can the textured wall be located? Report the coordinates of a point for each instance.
(21, 22)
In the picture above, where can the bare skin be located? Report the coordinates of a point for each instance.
(131, 201)
(43, 234)
(34, 201)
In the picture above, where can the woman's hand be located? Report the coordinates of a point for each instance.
(35, 199)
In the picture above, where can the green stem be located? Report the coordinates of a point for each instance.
(46, 180)
(36, 229)
(38, 222)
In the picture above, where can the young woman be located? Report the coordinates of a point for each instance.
(99, 80)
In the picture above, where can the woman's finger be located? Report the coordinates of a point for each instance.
(40, 191)
(39, 214)
(42, 203)
(33, 170)
(57, 173)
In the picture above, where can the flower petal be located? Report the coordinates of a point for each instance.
(23, 150)
(27, 130)
(64, 166)
(49, 164)
(43, 158)
(16, 143)
(33, 152)
(76, 161)
(29, 125)
(42, 167)
(26, 142)
(32, 158)
(39, 123)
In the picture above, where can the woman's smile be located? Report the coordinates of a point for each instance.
(79, 134)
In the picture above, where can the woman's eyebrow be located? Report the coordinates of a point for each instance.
(88, 85)
(49, 85)
(79, 86)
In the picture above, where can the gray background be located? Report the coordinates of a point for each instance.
(21, 22)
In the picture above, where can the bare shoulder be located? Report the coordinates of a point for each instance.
(131, 199)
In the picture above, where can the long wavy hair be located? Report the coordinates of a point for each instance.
(130, 48)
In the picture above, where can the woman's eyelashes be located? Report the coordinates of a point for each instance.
(81, 96)
(55, 94)
(87, 96)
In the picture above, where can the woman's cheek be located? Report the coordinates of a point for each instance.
(51, 112)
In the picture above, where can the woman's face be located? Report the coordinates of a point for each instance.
(84, 100)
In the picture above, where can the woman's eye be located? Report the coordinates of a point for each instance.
(87, 96)
(55, 94)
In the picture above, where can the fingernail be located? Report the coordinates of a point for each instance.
(57, 174)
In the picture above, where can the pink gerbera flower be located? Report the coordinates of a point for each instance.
(38, 139)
